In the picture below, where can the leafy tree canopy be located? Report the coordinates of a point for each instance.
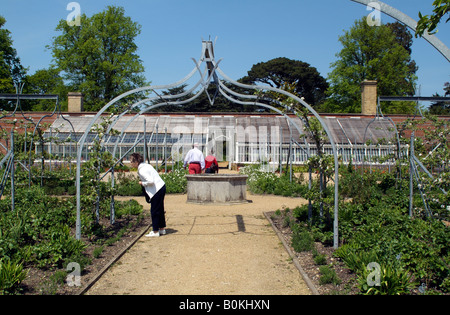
(98, 58)
(45, 81)
(372, 53)
(429, 23)
(279, 71)
(441, 108)
(11, 71)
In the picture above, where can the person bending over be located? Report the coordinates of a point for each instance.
(155, 188)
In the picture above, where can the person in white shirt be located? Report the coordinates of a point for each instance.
(195, 159)
(155, 188)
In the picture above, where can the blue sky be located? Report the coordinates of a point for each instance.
(248, 31)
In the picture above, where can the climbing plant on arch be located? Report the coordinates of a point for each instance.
(208, 76)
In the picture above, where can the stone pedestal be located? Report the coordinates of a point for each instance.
(217, 189)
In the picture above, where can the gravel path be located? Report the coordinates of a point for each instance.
(209, 250)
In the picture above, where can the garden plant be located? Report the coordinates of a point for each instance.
(408, 252)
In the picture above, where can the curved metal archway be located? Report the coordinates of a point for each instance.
(211, 72)
(408, 21)
(213, 69)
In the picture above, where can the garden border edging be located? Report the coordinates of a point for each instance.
(112, 261)
(305, 277)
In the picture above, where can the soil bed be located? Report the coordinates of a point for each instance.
(348, 279)
(44, 282)
(41, 281)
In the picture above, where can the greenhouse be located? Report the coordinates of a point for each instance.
(235, 138)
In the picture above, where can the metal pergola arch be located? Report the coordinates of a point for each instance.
(212, 68)
(408, 21)
(9, 156)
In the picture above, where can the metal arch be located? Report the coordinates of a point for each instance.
(158, 97)
(327, 131)
(97, 116)
(410, 22)
(19, 96)
(213, 68)
(224, 87)
(165, 102)
(164, 99)
(150, 108)
(209, 47)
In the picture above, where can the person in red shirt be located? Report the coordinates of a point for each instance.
(211, 165)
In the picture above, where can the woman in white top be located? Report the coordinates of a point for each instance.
(155, 188)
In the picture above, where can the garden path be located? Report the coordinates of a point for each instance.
(209, 250)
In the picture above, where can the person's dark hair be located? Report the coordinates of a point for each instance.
(136, 157)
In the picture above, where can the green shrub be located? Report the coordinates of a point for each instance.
(356, 259)
(394, 280)
(320, 259)
(328, 275)
(301, 213)
(263, 182)
(127, 208)
(128, 185)
(11, 275)
(375, 226)
(98, 251)
(302, 241)
(176, 181)
(38, 231)
(58, 247)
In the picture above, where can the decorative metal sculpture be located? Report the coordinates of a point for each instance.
(209, 76)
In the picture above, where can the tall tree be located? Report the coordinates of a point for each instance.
(280, 71)
(404, 37)
(98, 58)
(11, 71)
(370, 53)
(45, 81)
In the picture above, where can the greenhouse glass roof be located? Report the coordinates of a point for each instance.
(345, 129)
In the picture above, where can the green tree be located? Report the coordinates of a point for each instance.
(98, 58)
(404, 37)
(168, 96)
(370, 53)
(45, 81)
(280, 71)
(428, 23)
(11, 71)
(441, 108)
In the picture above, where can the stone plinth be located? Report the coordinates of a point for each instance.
(217, 189)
